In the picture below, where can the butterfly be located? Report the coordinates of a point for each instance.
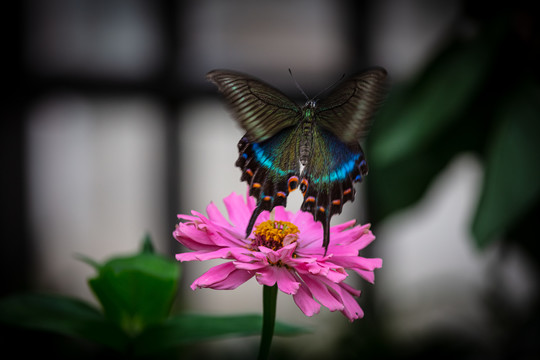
(313, 147)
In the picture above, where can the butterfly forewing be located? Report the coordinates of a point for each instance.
(259, 108)
(348, 110)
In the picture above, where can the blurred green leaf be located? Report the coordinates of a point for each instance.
(61, 315)
(512, 175)
(400, 184)
(418, 114)
(136, 291)
(147, 245)
(424, 124)
(189, 328)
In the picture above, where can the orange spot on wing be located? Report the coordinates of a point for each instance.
(292, 183)
(336, 202)
(256, 185)
(347, 192)
(306, 184)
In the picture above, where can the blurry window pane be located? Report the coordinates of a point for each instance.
(96, 183)
(118, 38)
(262, 37)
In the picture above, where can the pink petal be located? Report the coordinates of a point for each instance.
(187, 217)
(344, 294)
(249, 266)
(286, 281)
(362, 266)
(215, 216)
(304, 300)
(352, 309)
(226, 236)
(358, 262)
(222, 253)
(271, 255)
(350, 289)
(266, 276)
(311, 232)
(250, 200)
(366, 275)
(321, 293)
(280, 214)
(287, 251)
(193, 238)
(341, 227)
(239, 214)
(222, 277)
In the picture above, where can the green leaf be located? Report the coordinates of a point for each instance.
(417, 115)
(61, 315)
(136, 290)
(512, 176)
(147, 245)
(189, 328)
(397, 185)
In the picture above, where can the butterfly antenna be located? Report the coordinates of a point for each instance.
(329, 87)
(298, 85)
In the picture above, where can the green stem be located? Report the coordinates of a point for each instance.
(269, 320)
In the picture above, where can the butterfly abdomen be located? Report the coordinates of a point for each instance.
(306, 142)
(306, 133)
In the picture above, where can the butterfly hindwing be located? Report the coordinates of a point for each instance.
(270, 168)
(327, 181)
(259, 108)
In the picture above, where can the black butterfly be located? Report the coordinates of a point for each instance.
(321, 136)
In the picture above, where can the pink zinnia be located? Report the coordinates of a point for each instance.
(286, 250)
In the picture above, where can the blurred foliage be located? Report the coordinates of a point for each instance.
(136, 294)
(480, 94)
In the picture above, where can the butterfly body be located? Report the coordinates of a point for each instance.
(313, 147)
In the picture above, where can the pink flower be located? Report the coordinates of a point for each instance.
(286, 251)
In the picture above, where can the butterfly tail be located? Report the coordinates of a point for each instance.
(326, 239)
(258, 210)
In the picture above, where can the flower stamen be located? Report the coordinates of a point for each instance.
(274, 234)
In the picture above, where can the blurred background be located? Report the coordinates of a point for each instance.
(109, 130)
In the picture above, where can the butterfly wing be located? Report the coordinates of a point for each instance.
(348, 110)
(271, 169)
(259, 108)
(337, 161)
(268, 152)
(328, 178)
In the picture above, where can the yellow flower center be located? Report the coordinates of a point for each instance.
(274, 234)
